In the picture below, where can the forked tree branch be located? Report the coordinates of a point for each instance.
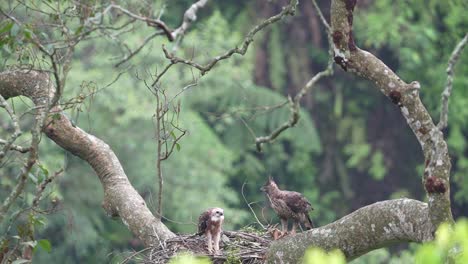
(8, 144)
(295, 104)
(290, 9)
(149, 21)
(406, 97)
(8, 88)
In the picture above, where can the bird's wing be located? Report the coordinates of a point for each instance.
(297, 202)
(203, 222)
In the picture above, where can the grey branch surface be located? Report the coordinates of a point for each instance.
(120, 197)
(189, 17)
(443, 121)
(377, 225)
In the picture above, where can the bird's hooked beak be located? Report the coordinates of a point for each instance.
(263, 189)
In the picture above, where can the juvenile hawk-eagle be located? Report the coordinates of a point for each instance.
(209, 223)
(288, 205)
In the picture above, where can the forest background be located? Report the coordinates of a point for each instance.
(351, 147)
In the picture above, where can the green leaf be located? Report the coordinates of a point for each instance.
(173, 135)
(177, 146)
(78, 30)
(7, 27)
(45, 244)
(27, 33)
(44, 170)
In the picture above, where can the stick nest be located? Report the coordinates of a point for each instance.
(235, 246)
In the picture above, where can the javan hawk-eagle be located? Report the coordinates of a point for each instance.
(209, 224)
(288, 205)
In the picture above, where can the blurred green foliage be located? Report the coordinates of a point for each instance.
(188, 259)
(319, 256)
(449, 246)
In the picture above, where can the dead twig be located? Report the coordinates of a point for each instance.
(449, 84)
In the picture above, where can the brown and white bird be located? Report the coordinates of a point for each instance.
(288, 205)
(209, 223)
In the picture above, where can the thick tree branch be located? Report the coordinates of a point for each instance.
(377, 225)
(120, 198)
(190, 16)
(448, 86)
(406, 97)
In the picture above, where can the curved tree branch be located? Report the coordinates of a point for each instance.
(406, 97)
(120, 197)
(387, 222)
(374, 226)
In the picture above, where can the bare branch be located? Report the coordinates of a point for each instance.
(149, 21)
(174, 143)
(137, 50)
(41, 188)
(14, 147)
(9, 143)
(294, 108)
(190, 16)
(296, 103)
(287, 10)
(39, 118)
(250, 207)
(448, 86)
(159, 115)
(324, 21)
